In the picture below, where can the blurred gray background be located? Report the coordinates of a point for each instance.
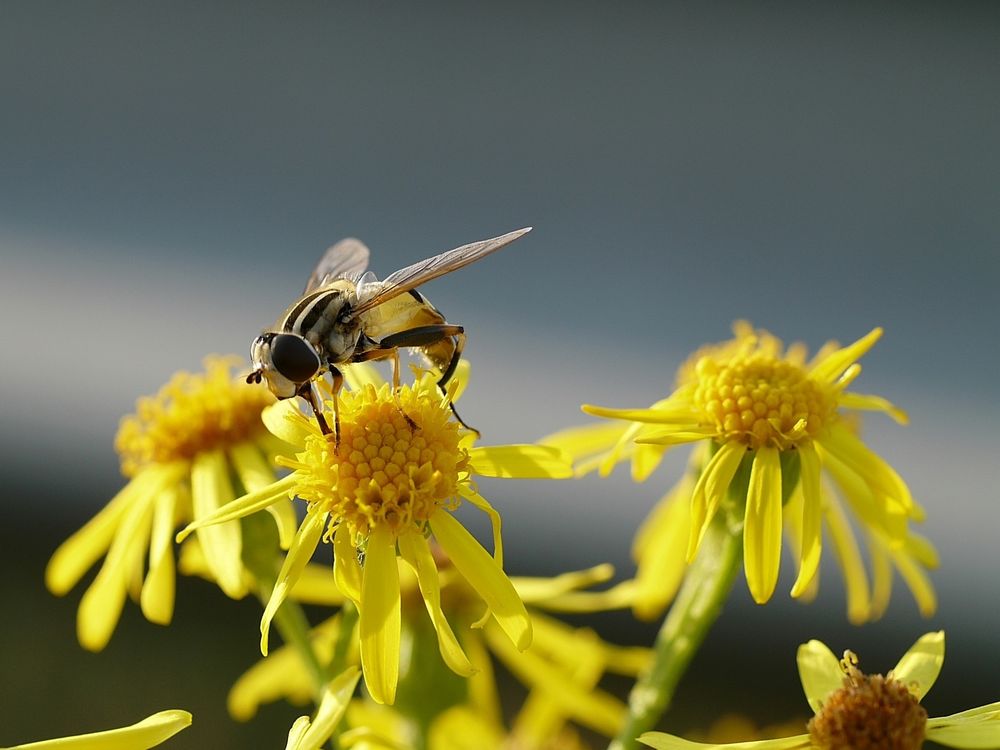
(169, 175)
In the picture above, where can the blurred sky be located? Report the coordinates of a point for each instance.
(170, 174)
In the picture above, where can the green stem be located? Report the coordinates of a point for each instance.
(706, 586)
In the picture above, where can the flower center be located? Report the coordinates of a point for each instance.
(870, 712)
(386, 471)
(759, 399)
(191, 414)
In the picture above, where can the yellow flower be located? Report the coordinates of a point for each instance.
(854, 711)
(178, 451)
(561, 669)
(149, 732)
(774, 436)
(403, 464)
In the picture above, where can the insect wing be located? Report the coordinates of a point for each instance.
(420, 273)
(347, 259)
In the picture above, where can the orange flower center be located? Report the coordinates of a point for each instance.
(398, 461)
(191, 414)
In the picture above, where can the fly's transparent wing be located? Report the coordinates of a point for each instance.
(422, 272)
(348, 258)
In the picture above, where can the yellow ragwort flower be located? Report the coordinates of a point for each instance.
(855, 711)
(774, 436)
(149, 732)
(178, 452)
(561, 669)
(403, 464)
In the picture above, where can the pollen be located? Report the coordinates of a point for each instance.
(870, 712)
(399, 460)
(191, 414)
(759, 399)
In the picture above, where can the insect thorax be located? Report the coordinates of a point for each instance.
(317, 318)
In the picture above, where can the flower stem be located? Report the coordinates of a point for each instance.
(698, 604)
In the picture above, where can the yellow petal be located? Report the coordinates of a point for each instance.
(255, 474)
(812, 516)
(645, 459)
(484, 575)
(580, 442)
(298, 730)
(379, 621)
(242, 506)
(101, 605)
(284, 420)
(78, 553)
(520, 462)
(331, 710)
(917, 581)
(828, 369)
(791, 518)
(415, 551)
(863, 402)
(976, 728)
(298, 556)
(592, 708)
(149, 732)
(676, 437)
(819, 671)
(661, 560)
(317, 585)
(537, 590)
(762, 525)
(710, 490)
(157, 599)
(461, 728)
(920, 666)
(496, 524)
(881, 576)
(283, 674)
(223, 543)
(849, 556)
(858, 457)
(460, 379)
(346, 569)
(483, 694)
(679, 414)
(662, 741)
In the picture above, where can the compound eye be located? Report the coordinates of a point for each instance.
(294, 358)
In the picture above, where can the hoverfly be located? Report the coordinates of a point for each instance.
(347, 315)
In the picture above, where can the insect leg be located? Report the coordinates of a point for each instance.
(338, 383)
(393, 354)
(449, 371)
(306, 391)
(426, 336)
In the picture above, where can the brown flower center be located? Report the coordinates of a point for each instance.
(870, 712)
